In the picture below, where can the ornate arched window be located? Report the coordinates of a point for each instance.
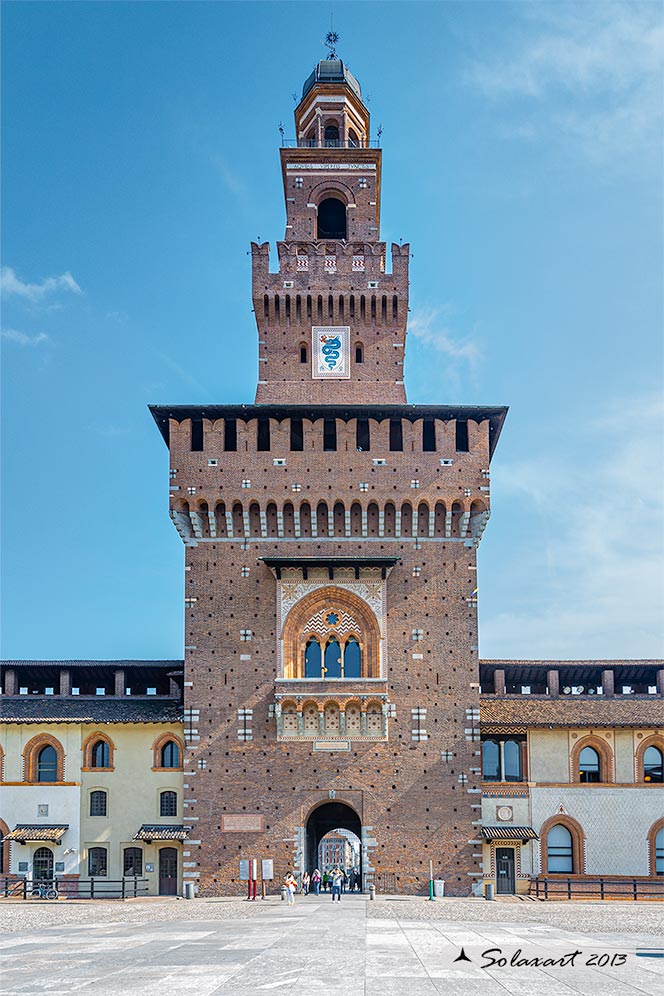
(512, 761)
(331, 135)
(560, 850)
(168, 752)
(352, 658)
(332, 719)
(100, 755)
(40, 764)
(332, 658)
(331, 634)
(490, 761)
(656, 848)
(47, 764)
(649, 758)
(353, 718)
(312, 658)
(589, 766)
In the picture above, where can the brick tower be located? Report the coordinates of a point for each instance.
(331, 671)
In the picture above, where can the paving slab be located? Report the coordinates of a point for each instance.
(201, 948)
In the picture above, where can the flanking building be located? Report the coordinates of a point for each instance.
(331, 677)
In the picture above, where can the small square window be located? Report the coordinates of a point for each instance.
(415, 484)
(48, 691)
(299, 182)
(100, 691)
(418, 634)
(245, 635)
(467, 492)
(417, 571)
(152, 691)
(279, 462)
(380, 462)
(364, 486)
(463, 779)
(362, 183)
(22, 690)
(191, 490)
(213, 462)
(296, 487)
(245, 571)
(246, 483)
(173, 472)
(445, 462)
(202, 763)
(76, 691)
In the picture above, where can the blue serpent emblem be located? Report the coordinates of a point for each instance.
(331, 349)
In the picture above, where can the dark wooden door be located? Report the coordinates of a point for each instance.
(505, 878)
(168, 871)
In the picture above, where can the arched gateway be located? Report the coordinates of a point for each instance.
(328, 816)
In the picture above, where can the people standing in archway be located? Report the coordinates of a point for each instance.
(315, 881)
(336, 884)
(305, 883)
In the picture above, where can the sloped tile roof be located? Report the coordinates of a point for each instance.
(72, 709)
(508, 833)
(149, 833)
(32, 831)
(99, 663)
(538, 710)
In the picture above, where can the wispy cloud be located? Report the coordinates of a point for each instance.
(432, 327)
(592, 72)
(183, 374)
(590, 583)
(12, 285)
(22, 338)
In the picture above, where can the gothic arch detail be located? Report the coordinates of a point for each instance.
(88, 747)
(578, 843)
(605, 757)
(31, 753)
(328, 613)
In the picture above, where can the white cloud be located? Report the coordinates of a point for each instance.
(10, 285)
(431, 327)
(591, 71)
(22, 338)
(589, 581)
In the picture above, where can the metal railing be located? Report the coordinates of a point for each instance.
(79, 888)
(328, 143)
(597, 888)
(385, 882)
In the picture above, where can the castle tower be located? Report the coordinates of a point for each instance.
(330, 531)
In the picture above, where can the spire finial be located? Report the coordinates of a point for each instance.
(331, 39)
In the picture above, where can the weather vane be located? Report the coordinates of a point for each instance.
(331, 39)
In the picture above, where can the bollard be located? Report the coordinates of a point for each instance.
(488, 891)
(372, 892)
(188, 890)
(283, 893)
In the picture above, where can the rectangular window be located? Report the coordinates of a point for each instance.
(230, 435)
(168, 804)
(197, 435)
(329, 435)
(296, 435)
(362, 440)
(429, 435)
(263, 435)
(396, 434)
(98, 800)
(133, 861)
(461, 435)
(97, 861)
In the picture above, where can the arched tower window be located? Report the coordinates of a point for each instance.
(652, 764)
(100, 755)
(331, 219)
(490, 761)
(353, 140)
(331, 136)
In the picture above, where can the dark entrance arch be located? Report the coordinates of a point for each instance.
(331, 219)
(329, 816)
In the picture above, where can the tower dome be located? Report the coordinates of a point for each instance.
(332, 71)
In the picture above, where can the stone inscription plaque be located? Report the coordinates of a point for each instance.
(242, 823)
(331, 744)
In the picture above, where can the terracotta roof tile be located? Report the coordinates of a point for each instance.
(538, 710)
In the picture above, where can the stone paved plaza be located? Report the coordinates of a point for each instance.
(374, 949)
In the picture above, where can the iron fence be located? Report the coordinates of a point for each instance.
(597, 888)
(79, 888)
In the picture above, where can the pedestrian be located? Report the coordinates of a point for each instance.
(326, 880)
(351, 880)
(336, 884)
(291, 886)
(305, 883)
(315, 881)
(358, 880)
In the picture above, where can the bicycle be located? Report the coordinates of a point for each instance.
(43, 891)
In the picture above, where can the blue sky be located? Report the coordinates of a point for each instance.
(522, 160)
